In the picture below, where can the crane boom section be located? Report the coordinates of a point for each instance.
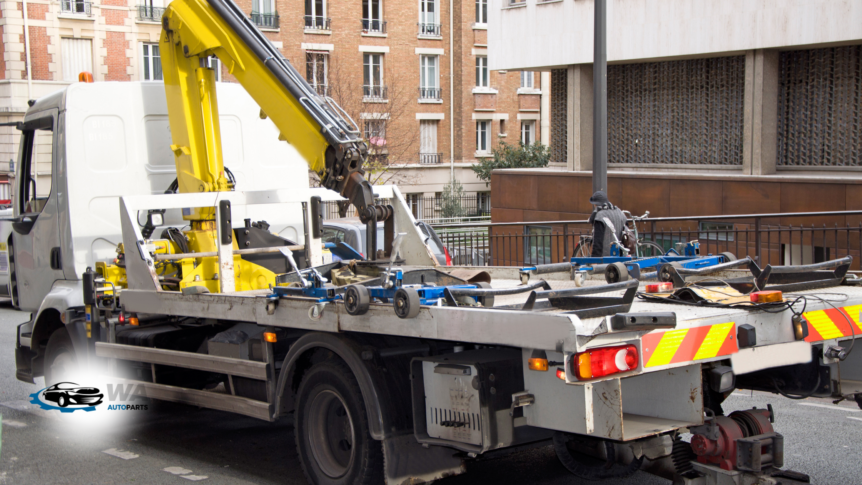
(194, 30)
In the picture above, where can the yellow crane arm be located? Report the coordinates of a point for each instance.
(323, 134)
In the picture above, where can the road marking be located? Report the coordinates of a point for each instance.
(125, 455)
(14, 424)
(195, 478)
(827, 406)
(851, 417)
(177, 470)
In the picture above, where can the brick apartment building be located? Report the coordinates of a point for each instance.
(412, 73)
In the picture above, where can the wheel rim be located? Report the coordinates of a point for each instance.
(331, 434)
(613, 275)
(351, 300)
(401, 304)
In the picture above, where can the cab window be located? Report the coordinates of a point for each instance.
(37, 147)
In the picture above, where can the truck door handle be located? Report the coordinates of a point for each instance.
(56, 259)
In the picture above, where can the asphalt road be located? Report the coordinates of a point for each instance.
(173, 444)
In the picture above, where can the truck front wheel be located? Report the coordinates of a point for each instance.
(331, 426)
(60, 359)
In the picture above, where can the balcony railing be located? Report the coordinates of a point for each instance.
(265, 20)
(313, 22)
(376, 93)
(373, 26)
(431, 93)
(322, 89)
(432, 30)
(430, 158)
(149, 13)
(78, 7)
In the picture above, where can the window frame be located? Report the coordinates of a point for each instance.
(482, 75)
(367, 14)
(528, 127)
(324, 55)
(314, 12)
(270, 4)
(525, 75)
(423, 68)
(369, 133)
(147, 63)
(481, 12)
(368, 70)
(424, 13)
(483, 128)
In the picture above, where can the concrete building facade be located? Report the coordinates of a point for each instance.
(700, 93)
(413, 73)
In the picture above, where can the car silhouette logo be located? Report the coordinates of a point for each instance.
(68, 397)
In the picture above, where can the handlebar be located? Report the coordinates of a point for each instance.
(636, 218)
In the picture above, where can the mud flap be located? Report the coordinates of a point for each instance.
(407, 461)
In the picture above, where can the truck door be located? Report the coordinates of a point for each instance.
(38, 257)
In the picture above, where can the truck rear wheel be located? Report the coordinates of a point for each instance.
(60, 359)
(332, 437)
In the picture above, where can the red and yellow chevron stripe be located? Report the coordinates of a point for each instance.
(832, 323)
(689, 344)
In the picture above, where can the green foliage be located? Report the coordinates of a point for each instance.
(450, 200)
(512, 156)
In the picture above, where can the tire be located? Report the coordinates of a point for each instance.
(356, 300)
(331, 430)
(584, 248)
(62, 401)
(649, 249)
(406, 303)
(60, 359)
(588, 467)
(665, 273)
(485, 301)
(859, 400)
(728, 257)
(616, 272)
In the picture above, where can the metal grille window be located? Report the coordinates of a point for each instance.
(482, 138)
(429, 20)
(152, 62)
(481, 72)
(372, 16)
(481, 11)
(677, 113)
(316, 70)
(76, 56)
(315, 15)
(263, 14)
(820, 108)
(559, 127)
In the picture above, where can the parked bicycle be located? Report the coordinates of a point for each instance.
(643, 248)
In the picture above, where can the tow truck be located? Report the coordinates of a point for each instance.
(605, 372)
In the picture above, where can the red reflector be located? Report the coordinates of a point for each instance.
(666, 287)
(561, 373)
(602, 362)
(122, 318)
(448, 258)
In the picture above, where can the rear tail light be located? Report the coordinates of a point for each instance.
(595, 363)
(666, 287)
(448, 258)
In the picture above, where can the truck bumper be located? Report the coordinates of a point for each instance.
(23, 354)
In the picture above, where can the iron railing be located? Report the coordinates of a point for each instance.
(314, 22)
(265, 20)
(373, 26)
(77, 7)
(431, 30)
(777, 239)
(322, 89)
(148, 13)
(374, 93)
(430, 93)
(468, 208)
(430, 158)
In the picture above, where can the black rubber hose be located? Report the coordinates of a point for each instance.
(593, 472)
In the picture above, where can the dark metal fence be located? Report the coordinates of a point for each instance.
(373, 26)
(430, 93)
(430, 158)
(265, 20)
(434, 210)
(777, 239)
(149, 13)
(315, 22)
(377, 93)
(429, 29)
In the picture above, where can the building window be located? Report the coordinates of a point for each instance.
(372, 72)
(528, 132)
(315, 15)
(372, 16)
(537, 244)
(150, 10)
(429, 20)
(428, 142)
(76, 7)
(316, 70)
(414, 201)
(429, 81)
(375, 133)
(77, 57)
(482, 136)
(483, 203)
(527, 79)
(263, 14)
(481, 11)
(152, 63)
(481, 72)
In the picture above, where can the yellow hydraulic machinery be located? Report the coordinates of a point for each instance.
(324, 135)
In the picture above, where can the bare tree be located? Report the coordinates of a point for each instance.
(383, 115)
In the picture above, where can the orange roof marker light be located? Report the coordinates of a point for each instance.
(85, 77)
(766, 297)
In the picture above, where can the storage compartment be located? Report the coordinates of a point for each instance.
(463, 400)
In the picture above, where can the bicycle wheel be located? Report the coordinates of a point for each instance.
(649, 249)
(584, 249)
